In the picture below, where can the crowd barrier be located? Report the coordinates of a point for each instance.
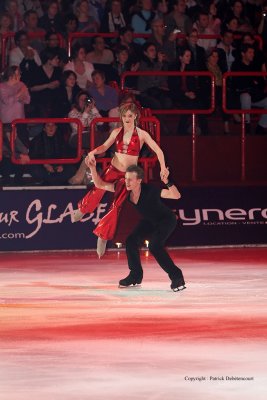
(70, 160)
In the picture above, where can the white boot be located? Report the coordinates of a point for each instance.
(101, 247)
(77, 215)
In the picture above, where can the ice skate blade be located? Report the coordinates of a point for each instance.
(179, 289)
(101, 247)
(136, 285)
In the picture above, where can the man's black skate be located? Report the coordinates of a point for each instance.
(178, 284)
(130, 280)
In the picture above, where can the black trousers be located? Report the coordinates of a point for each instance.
(157, 236)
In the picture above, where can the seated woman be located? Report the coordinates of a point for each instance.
(129, 140)
(82, 68)
(67, 93)
(50, 144)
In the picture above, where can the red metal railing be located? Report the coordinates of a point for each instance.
(147, 162)
(31, 35)
(42, 121)
(1, 140)
(242, 112)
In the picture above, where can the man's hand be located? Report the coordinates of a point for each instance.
(91, 163)
(164, 173)
(90, 158)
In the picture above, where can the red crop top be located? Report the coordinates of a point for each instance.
(133, 148)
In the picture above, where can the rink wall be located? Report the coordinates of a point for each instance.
(42, 219)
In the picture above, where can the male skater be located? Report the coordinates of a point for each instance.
(157, 224)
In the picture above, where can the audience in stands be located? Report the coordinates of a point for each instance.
(100, 53)
(185, 93)
(141, 20)
(177, 19)
(6, 27)
(50, 144)
(165, 43)
(82, 68)
(105, 96)
(24, 56)
(67, 93)
(85, 110)
(44, 82)
(14, 95)
(113, 19)
(12, 8)
(202, 27)
(154, 90)
(250, 88)
(34, 32)
(52, 18)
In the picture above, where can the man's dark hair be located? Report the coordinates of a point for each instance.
(138, 170)
(245, 47)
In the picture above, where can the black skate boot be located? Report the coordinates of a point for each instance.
(131, 279)
(178, 284)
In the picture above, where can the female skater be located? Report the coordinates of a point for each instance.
(128, 140)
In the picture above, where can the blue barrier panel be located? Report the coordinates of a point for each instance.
(42, 219)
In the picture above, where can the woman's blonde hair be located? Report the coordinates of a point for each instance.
(124, 107)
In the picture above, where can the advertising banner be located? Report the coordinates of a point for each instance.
(42, 218)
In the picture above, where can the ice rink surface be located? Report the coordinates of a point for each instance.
(67, 332)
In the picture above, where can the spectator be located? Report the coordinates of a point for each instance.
(44, 84)
(126, 39)
(226, 51)
(214, 21)
(250, 88)
(262, 28)
(6, 27)
(237, 11)
(114, 19)
(122, 64)
(82, 68)
(198, 55)
(259, 58)
(202, 27)
(67, 93)
(177, 19)
(165, 43)
(100, 54)
(8, 168)
(24, 56)
(31, 27)
(86, 23)
(52, 42)
(50, 144)
(213, 67)
(231, 23)
(13, 10)
(141, 21)
(85, 110)
(154, 91)
(105, 97)
(185, 93)
(13, 97)
(34, 5)
(52, 19)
